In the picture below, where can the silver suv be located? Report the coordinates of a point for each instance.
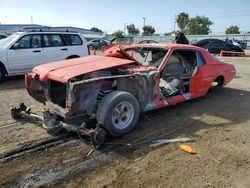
(22, 51)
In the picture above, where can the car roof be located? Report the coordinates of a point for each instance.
(210, 40)
(46, 32)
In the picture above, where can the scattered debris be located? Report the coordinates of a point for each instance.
(166, 141)
(71, 160)
(91, 151)
(188, 149)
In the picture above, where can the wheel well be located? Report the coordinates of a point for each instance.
(3, 67)
(72, 57)
(220, 80)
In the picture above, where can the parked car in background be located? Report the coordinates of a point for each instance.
(240, 43)
(148, 42)
(22, 51)
(216, 45)
(122, 41)
(97, 43)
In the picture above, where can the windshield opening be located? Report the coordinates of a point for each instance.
(148, 56)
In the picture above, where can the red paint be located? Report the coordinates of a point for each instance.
(115, 56)
(62, 71)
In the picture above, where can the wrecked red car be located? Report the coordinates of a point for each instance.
(114, 88)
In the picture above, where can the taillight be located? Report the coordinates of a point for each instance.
(28, 78)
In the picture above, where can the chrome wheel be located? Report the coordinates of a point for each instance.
(118, 113)
(122, 115)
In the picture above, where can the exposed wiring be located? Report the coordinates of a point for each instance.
(81, 138)
(142, 142)
(123, 143)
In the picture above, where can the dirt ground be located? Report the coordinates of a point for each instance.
(219, 123)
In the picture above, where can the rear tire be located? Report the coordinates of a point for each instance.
(217, 83)
(118, 113)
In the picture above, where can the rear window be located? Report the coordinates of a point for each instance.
(72, 39)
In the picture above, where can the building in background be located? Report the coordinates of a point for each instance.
(7, 29)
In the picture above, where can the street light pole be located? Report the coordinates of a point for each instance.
(175, 19)
(144, 19)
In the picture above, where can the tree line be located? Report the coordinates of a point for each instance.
(198, 25)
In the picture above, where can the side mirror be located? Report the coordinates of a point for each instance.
(16, 46)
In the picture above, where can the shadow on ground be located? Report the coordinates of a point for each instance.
(219, 109)
(13, 82)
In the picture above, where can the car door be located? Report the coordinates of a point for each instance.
(25, 54)
(54, 48)
(199, 81)
(176, 75)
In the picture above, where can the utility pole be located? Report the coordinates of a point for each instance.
(144, 19)
(175, 18)
(125, 25)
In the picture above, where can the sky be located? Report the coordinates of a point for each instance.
(113, 15)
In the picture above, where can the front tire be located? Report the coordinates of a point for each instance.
(2, 74)
(118, 113)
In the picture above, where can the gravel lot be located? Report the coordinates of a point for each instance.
(219, 123)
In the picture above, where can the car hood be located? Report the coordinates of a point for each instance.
(3, 54)
(62, 71)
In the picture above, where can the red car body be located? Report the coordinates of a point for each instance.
(76, 87)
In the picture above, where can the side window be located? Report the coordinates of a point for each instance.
(200, 61)
(24, 42)
(53, 40)
(36, 41)
(56, 40)
(30, 41)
